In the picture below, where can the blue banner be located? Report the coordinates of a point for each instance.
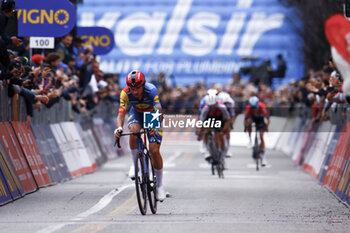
(196, 40)
(45, 18)
(101, 39)
(10, 187)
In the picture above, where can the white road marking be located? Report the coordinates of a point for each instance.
(247, 177)
(253, 165)
(115, 165)
(204, 165)
(102, 203)
(170, 162)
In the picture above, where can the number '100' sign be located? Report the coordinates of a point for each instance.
(42, 42)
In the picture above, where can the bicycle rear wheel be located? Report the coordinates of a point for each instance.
(141, 183)
(152, 187)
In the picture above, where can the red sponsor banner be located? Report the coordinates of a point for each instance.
(338, 161)
(31, 151)
(17, 158)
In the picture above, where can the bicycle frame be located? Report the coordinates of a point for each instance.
(145, 180)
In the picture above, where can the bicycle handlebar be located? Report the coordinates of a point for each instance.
(117, 140)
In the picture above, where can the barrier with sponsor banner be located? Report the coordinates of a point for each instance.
(17, 158)
(323, 151)
(9, 174)
(51, 155)
(31, 152)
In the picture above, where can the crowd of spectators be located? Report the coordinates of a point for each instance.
(72, 72)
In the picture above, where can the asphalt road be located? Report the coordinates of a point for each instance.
(279, 198)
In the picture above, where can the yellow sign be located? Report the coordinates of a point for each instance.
(99, 40)
(42, 16)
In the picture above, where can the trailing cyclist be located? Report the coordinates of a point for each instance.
(215, 110)
(230, 105)
(143, 97)
(203, 147)
(256, 111)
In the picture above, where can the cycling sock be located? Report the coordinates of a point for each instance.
(262, 155)
(159, 175)
(227, 145)
(134, 155)
(222, 154)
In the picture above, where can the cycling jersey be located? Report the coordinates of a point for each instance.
(202, 104)
(258, 115)
(149, 102)
(219, 110)
(261, 111)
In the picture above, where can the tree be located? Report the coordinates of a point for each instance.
(313, 14)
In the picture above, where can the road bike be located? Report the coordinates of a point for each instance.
(257, 150)
(216, 162)
(145, 177)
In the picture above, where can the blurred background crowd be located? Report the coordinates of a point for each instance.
(71, 72)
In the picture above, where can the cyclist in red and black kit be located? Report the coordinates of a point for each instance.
(216, 110)
(256, 111)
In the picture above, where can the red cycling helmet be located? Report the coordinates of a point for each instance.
(135, 79)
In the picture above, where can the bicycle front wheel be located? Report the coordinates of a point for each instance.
(141, 183)
(152, 187)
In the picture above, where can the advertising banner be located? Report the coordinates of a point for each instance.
(9, 174)
(66, 149)
(56, 152)
(47, 155)
(317, 152)
(45, 18)
(329, 152)
(343, 191)
(14, 151)
(338, 161)
(4, 192)
(30, 149)
(196, 40)
(100, 38)
(87, 161)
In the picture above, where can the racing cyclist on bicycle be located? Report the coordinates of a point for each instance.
(230, 105)
(216, 110)
(256, 111)
(203, 146)
(143, 97)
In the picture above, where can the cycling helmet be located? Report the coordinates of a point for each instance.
(211, 99)
(8, 5)
(135, 79)
(212, 91)
(254, 101)
(225, 97)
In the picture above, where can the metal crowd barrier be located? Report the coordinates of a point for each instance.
(14, 109)
(11, 109)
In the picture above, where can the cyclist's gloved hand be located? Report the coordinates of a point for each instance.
(118, 132)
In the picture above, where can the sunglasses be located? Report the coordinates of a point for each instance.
(135, 88)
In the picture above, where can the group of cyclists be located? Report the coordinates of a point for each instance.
(218, 106)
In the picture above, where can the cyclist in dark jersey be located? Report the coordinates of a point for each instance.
(256, 111)
(143, 97)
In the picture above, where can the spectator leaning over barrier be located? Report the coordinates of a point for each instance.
(64, 47)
